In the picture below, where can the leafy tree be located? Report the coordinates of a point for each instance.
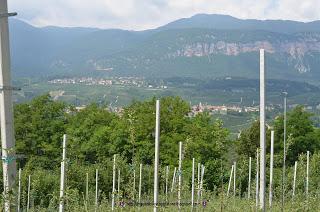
(249, 140)
(84, 129)
(39, 127)
(300, 130)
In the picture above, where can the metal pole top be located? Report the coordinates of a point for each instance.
(6, 15)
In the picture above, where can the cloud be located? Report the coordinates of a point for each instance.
(144, 14)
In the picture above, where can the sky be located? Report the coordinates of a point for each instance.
(147, 14)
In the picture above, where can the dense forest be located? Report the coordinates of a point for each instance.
(95, 134)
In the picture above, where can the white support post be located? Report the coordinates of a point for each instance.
(284, 149)
(140, 183)
(180, 175)
(257, 180)
(156, 157)
(307, 181)
(198, 192)
(271, 168)
(262, 132)
(119, 181)
(19, 192)
(167, 180)
(230, 179)
(173, 179)
(63, 172)
(192, 183)
(87, 190)
(294, 179)
(29, 190)
(97, 190)
(6, 111)
(113, 182)
(234, 178)
(201, 182)
(134, 185)
(249, 181)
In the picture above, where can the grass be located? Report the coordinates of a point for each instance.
(215, 204)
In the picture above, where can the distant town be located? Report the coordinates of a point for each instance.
(122, 81)
(200, 108)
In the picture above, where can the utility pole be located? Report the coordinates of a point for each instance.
(6, 109)
(262, 133)
(156, 157)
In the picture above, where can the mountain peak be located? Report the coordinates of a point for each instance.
(218, 21)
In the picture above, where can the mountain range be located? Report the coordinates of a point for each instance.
(202, 46)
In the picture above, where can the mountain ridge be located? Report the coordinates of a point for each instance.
(203, 45)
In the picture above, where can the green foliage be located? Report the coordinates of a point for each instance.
(39, 126)
(302, 136)
(95, 135)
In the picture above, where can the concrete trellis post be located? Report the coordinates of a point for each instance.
(97, 190)
(140, 183)
(230, 179)
(307, 181)
(257, 180)
(294, 178)
(87, 190)
(180, 175)
(119, 181)
(29, 190)
(262, 132)
(19, 192)
(173, 179)
(284, 149)
(234, 178)
(6, 109)
(167, 179)
(201, 182)
(198, 192)
(63, 172)
(156, 157)
(113, 182)
(271, 168)
(192, 183)
(249, 181)
(134, 185)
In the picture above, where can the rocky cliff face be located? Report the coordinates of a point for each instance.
(215, 53)
(295, 49)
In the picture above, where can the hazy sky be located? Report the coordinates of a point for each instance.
(144, 14)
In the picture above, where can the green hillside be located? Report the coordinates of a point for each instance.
(201, 46)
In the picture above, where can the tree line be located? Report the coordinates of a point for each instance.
(95, 134)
